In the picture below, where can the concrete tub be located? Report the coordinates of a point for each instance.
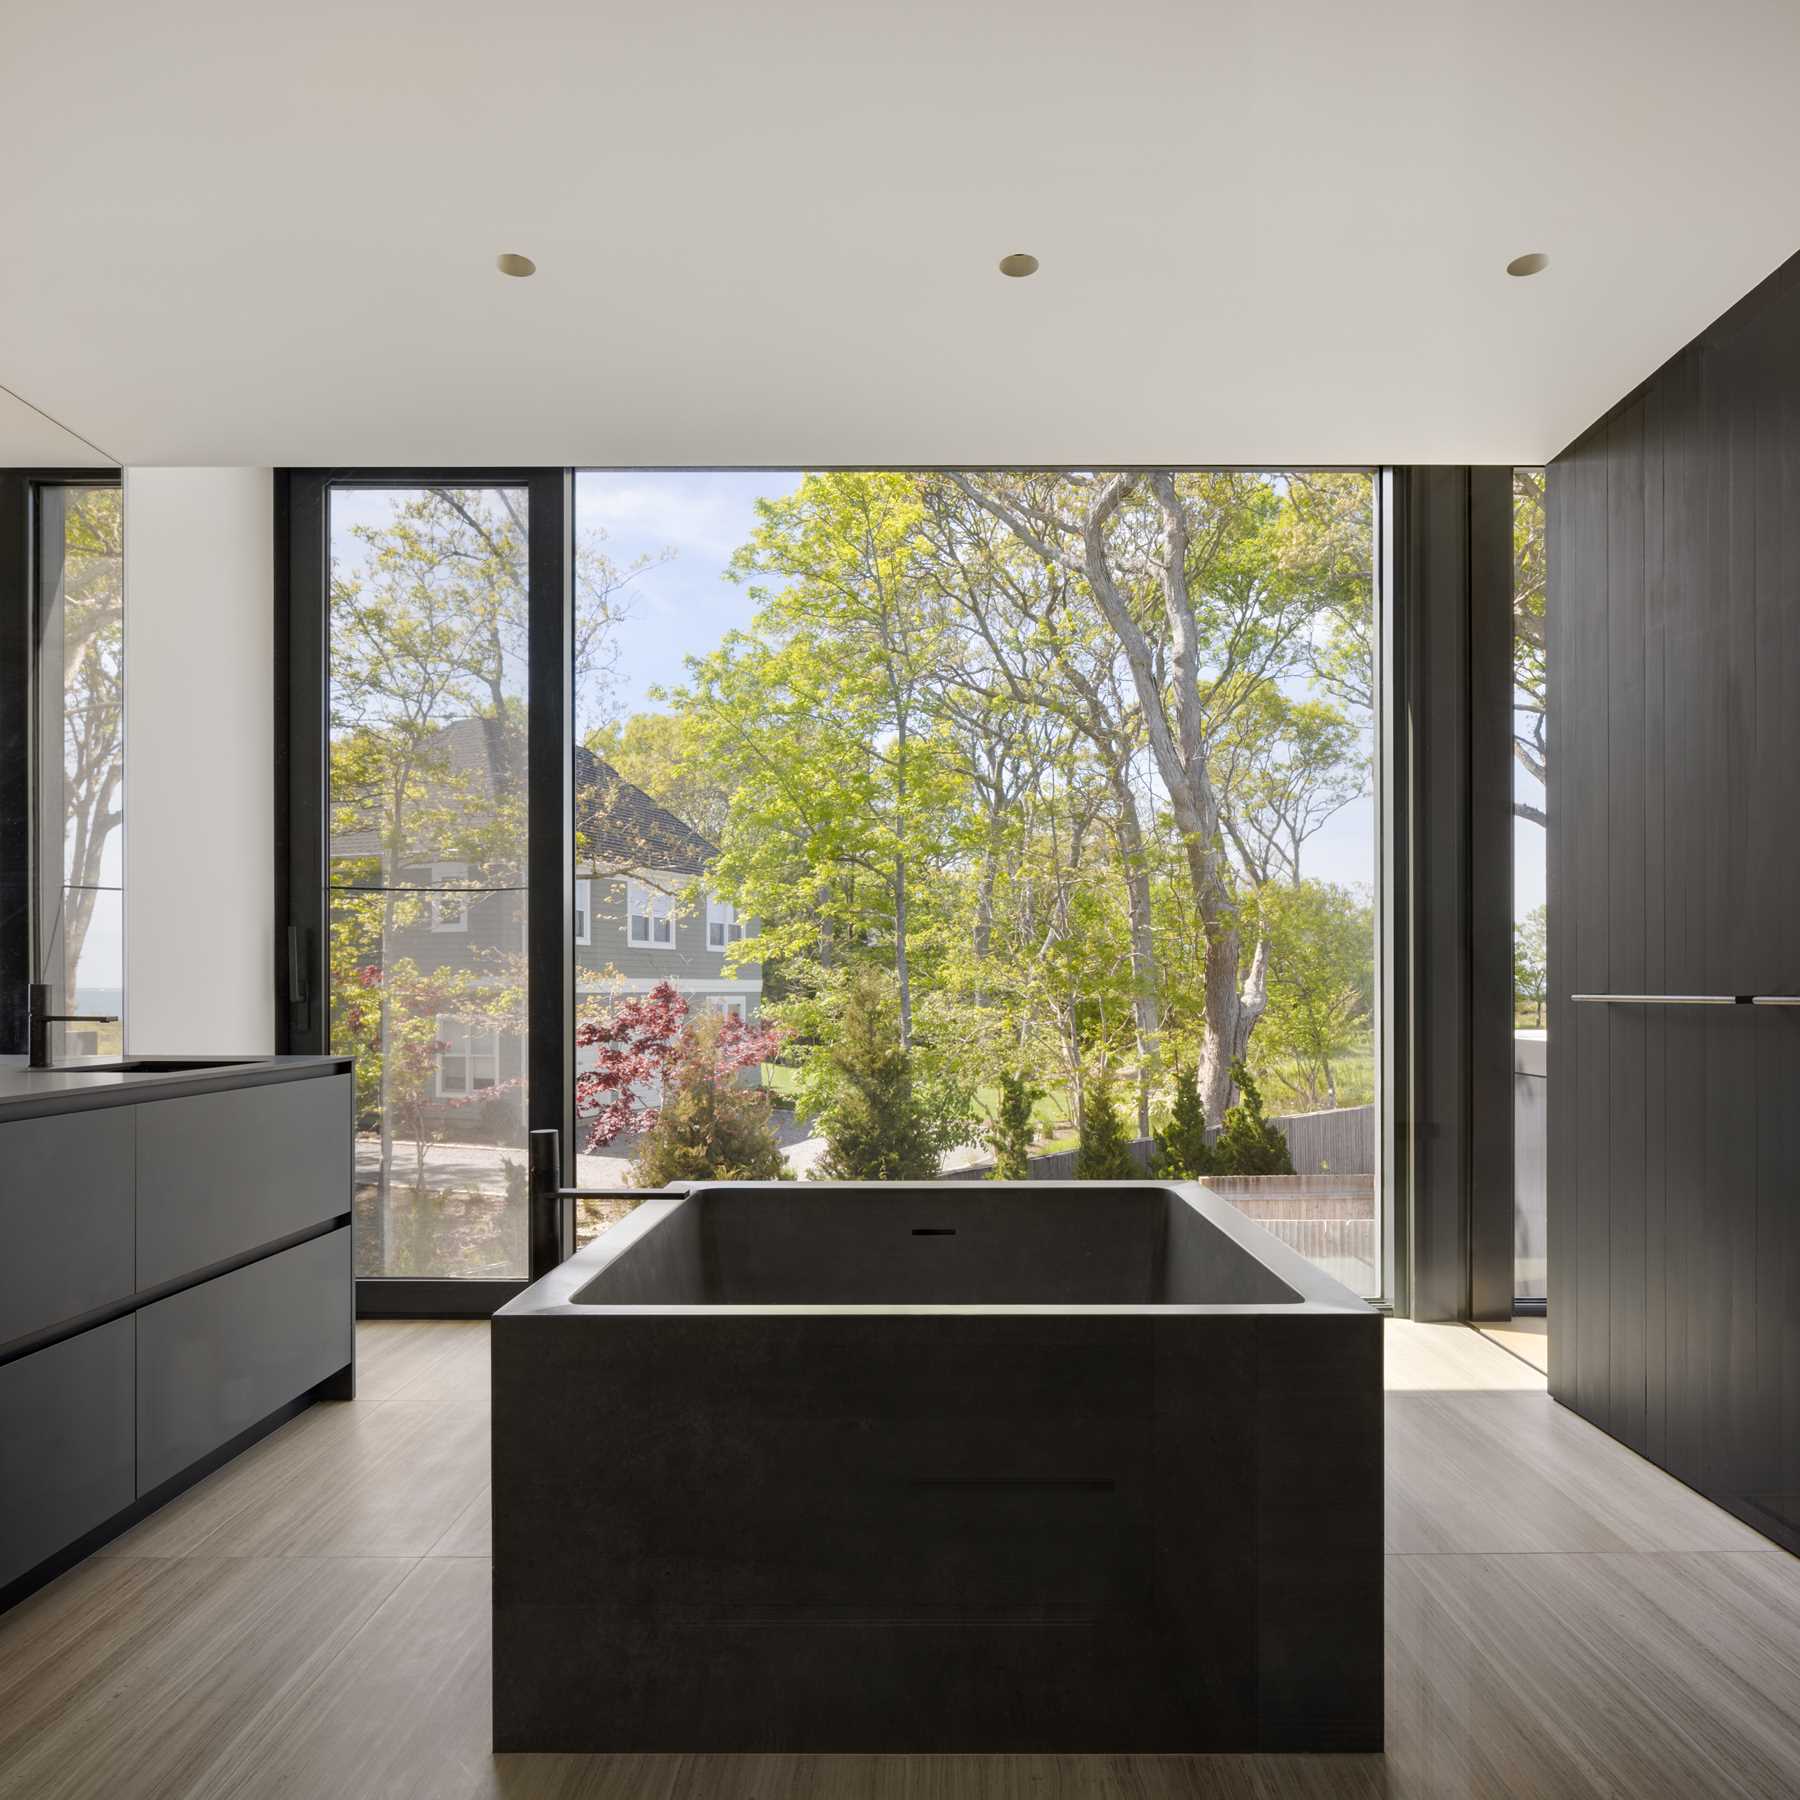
(985, 1467)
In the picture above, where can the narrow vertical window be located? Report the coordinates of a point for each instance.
(80, 761)
(1531, 816)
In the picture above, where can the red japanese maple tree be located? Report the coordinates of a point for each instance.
(636, 1045)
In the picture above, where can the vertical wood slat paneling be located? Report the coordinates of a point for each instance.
(1623, 828)
(1563, 1245)
(1675, 867)
(1772, 900)
(1781, 1078)
(1588, 601)
(1655, 1023)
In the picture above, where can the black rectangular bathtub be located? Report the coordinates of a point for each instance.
(984, 1466)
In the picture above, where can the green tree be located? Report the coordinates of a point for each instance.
(1010, 1133)
(1104, 1153)
(1248, 1144)
(1211, 585)
(860, 1090)
(822, 716)
(1531, 977)
(1182, 1149)
(1321, 984)
(710, 1127)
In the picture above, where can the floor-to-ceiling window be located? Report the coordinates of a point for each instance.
(428, 980)
(1040, 803)
(78, 760)
(1531, 775)
(923, 825)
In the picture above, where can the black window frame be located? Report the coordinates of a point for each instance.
(302, 737)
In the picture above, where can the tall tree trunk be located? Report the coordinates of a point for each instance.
(984, 910)
(902, 966)
(1129, 833)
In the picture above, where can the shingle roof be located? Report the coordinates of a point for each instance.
(620, 828)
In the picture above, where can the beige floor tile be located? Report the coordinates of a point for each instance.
(127, 1679)
(456, 1375)
(1434, 1359)
(383, 1478)
(1550, 1677)
(391, 1354)
(473, 1532)
(1486, 1472)
(1526, 1338)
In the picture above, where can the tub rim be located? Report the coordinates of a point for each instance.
(1319, 1294)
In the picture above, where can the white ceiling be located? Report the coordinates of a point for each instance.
(243, 233)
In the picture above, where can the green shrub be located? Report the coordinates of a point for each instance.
(1010, 1132)
(1182, 1150)
(1248, 1144)
(1103, 1154)
(876, 1127)
(710, 1128)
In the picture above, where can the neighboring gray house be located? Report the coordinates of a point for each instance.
(642, 913)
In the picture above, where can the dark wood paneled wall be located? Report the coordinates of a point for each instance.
(1674, 1155)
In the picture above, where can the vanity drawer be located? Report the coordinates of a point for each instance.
(68, 1446)
(220, 1175)
(216, 1359)
(65, 1217)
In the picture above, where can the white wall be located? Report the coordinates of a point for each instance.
(199, 761)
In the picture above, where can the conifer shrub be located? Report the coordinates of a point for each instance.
(1182, 1150)
(1009, 1133)
(877, 1127)
(1248, 1144)
(1104, 1153)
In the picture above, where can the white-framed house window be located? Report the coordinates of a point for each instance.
(649, 915)
(722, 925)
(584, 912)
(469, 1062)
(449, 910)
(728, 1004)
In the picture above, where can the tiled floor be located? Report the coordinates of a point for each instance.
(1563, 1620)
(1526, 1336)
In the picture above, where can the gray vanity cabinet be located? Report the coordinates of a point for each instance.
(176, 1276)
(65, 1217)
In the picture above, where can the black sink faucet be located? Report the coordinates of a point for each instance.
(41, 1019)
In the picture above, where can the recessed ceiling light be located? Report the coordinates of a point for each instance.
(510, 262)
(1534, 262)
(1021, 263)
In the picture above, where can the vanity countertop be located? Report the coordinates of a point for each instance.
(89, 1082)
